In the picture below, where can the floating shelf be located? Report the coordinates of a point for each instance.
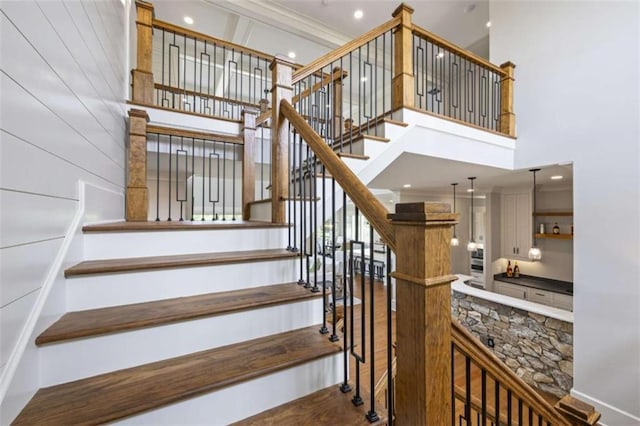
(553, 213)
(556, 236)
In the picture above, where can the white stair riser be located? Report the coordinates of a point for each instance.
(98, 291)
(246, 399)
(111, 245)
(86, 357)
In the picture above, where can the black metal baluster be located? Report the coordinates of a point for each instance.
(193, 173)
(334, 335)
(467, 383)
(307, 219)
(169, 193)
(371, 415)
(360, 358)
(158, 177)
(453, 377)
(300, 197)
(509, 407)
(313, 207)
(390, 387)
(224, 181)
(519, 411)
(484, 397)
(347, 290)
(179, 199)
(291, 154)
(496, 401)
(204, 169)
(233, 182)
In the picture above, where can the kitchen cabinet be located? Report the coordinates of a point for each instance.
(544, 297)
(516, 225)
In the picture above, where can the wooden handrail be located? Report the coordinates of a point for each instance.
(195, 134)
(327, 79)
(181, 91)
(336, 54)
(457, 49)
(474, 349)
(190, 33)
(366, 202)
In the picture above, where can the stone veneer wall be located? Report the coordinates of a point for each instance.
(537, 348)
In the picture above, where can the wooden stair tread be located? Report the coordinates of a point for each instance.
(356, 156)
(100, 321)
(175, 261)
(327, 406)
(112, 396)
(178, 226)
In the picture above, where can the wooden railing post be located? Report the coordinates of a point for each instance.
(142, 75)
(281, 73)
(403, 79)
(336, 103)
(249, 116)
(423, 285)
(507, 116)
(137, 200)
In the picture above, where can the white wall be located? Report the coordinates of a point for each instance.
(576, 98)
(62, 83)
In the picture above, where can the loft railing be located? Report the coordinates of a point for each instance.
(455, 83)
(184, 70)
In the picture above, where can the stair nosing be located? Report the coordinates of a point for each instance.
(148, 403)
(110, 266)
(159, 320)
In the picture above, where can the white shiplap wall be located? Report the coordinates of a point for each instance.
(62, 76)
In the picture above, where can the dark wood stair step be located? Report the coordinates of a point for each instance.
(175, 261)
(179, 226)
(122, 393)
(326, 407)
(101, 321)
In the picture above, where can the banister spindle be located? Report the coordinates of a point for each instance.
(423, 283)
(142, 75)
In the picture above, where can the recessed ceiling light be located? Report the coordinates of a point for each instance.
(556, 177)
(358, 14)
(188, 20)
(488, 24)
(292, 55)
(471, 190)
(406, 185)
(363, 79)
(441, 55)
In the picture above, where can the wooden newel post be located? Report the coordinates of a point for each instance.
(336, 102)
(403, 78)
(423, 283)
(507, 116)
(281, 72)
(137, 192)
(249, 116)
(142, 75)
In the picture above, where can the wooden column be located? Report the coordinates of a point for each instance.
(281, 71)
(423, 283)
(336, 103)
(137, 200)
(403, 79)
(249, 160)
(507, 116)
(142, 75)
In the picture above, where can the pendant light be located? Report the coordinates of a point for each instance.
(472, 243)
(534, 251)
(454, 240)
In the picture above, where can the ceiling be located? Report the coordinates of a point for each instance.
(312, 28)
(435, 175)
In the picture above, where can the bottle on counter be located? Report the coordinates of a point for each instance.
(516, 270)
(509, 270)
(542, 228)
(556, 229)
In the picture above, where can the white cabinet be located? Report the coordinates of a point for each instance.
(549, 298)
(516, 225)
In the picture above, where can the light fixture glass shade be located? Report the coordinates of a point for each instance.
(455, 242)
(471, 246)
(535, 253)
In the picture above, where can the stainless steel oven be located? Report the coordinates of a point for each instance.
(477, 268)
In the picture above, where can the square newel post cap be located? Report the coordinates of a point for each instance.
(508, 64)
(281, 60)
(138, 113)
(429, 213)
(403, 7)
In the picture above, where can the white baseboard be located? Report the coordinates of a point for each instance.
(611, 416)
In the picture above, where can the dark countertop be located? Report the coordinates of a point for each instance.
(564, 287)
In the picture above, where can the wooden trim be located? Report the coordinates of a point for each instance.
(263, 117)
(553, 213)
(426, 282)
(190, 33)
(577, 411)
(402, 84)
(181, 91)
(141, 76)
(172, 131)
(137, 195)
(336, 54)
(507, 115)
(470, 346)
(355, 156)
(421, 32)
(249, 161)
(455, 120)
(368, 204)
(181, 111)
(555, 236)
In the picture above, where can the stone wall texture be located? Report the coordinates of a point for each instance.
(537, 348)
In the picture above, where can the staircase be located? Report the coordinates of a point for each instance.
(164, 335)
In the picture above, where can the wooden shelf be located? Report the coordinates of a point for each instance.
(553, 213)
(556, 236)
